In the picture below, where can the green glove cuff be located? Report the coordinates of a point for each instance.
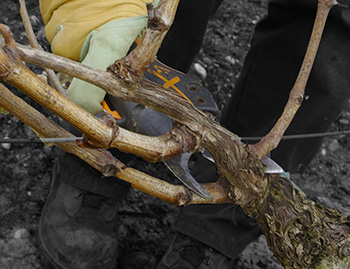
(101, 48)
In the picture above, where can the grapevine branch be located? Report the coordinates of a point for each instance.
(34, 43)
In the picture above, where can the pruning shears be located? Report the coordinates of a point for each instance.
(144, 120)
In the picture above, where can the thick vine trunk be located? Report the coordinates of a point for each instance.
(300, 232)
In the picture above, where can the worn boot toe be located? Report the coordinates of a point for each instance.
(78, 229)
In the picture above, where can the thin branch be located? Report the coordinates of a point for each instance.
(159, 22)
(143, 92)
(99, 159)
(103, 161)
(178, 195)
(28, 26)
(35, 44)
(272, 139)
(152, 149)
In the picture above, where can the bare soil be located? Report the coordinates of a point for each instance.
(145, 222)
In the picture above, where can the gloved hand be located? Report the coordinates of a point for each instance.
(97, 33)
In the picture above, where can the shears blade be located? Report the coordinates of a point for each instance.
(271, 166)
(179, 167)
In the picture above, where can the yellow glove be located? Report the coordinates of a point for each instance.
(68, 22)
(95, 32)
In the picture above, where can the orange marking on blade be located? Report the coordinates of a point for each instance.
(172, 85)
(114, 113)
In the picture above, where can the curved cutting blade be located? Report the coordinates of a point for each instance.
(179, 167)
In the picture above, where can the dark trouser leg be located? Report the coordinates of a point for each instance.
(269, 71)
(184, 40)
(81, 175)
(78, 226)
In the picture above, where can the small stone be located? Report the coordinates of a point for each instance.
(344, 121)
(230, 60)
(34, 20)
(200, 70)
(207, 60)
(6, 145)
(21, 233)
(334, 145)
